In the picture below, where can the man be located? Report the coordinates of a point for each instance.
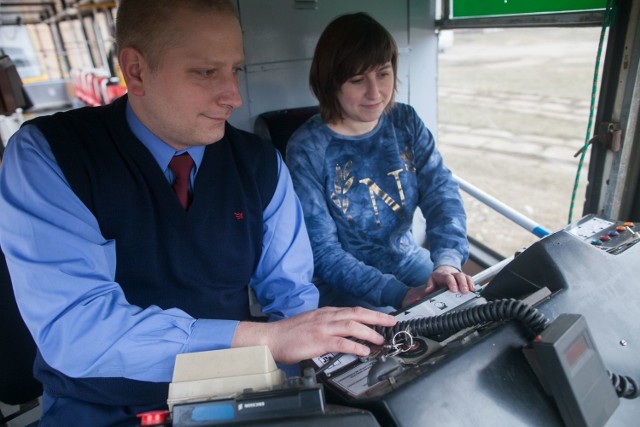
(114, 273)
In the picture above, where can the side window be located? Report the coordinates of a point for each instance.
(514, 105)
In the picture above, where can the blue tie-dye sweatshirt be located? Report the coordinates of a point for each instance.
(359, 194)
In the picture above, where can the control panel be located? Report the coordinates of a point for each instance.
(396, 362)
(297, 396)
(613, 237)
(588, 268)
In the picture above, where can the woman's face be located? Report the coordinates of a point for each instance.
(363, 99)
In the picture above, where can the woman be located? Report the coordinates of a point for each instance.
(361, 168)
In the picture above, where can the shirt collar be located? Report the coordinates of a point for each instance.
(161, 151)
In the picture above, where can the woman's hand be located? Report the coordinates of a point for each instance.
(444, 276)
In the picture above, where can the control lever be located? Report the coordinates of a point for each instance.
(384, 368)
(387, 365)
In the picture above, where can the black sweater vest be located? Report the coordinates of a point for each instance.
(200, 260)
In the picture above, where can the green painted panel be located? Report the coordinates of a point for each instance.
(481, 8)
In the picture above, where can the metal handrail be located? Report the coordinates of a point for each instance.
(507, 211)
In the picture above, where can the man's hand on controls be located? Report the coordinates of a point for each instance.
(316, 332)
(444, 276)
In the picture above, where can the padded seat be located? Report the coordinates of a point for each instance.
(278, 126)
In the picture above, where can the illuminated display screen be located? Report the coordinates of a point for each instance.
(576, 350)
(214, 411)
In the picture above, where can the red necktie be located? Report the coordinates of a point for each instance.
(181, 167)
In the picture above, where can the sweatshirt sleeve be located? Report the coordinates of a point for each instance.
(440, 200)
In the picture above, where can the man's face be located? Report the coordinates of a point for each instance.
(191, 94)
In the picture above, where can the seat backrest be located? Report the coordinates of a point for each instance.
(278, 126)
(17, 385)
(11, 89)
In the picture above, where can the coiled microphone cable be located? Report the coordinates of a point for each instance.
(497, 310)
(625, 386)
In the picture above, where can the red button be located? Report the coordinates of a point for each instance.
(153, 418)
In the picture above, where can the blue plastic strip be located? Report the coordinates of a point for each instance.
(540, 232)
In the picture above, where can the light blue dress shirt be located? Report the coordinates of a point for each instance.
(63, 270)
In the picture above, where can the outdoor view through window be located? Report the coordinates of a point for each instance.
(513, 109)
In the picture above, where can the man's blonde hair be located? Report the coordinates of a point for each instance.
(146, 24)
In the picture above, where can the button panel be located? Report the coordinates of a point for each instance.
(613, 237)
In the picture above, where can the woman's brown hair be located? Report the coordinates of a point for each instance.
(350, 45)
